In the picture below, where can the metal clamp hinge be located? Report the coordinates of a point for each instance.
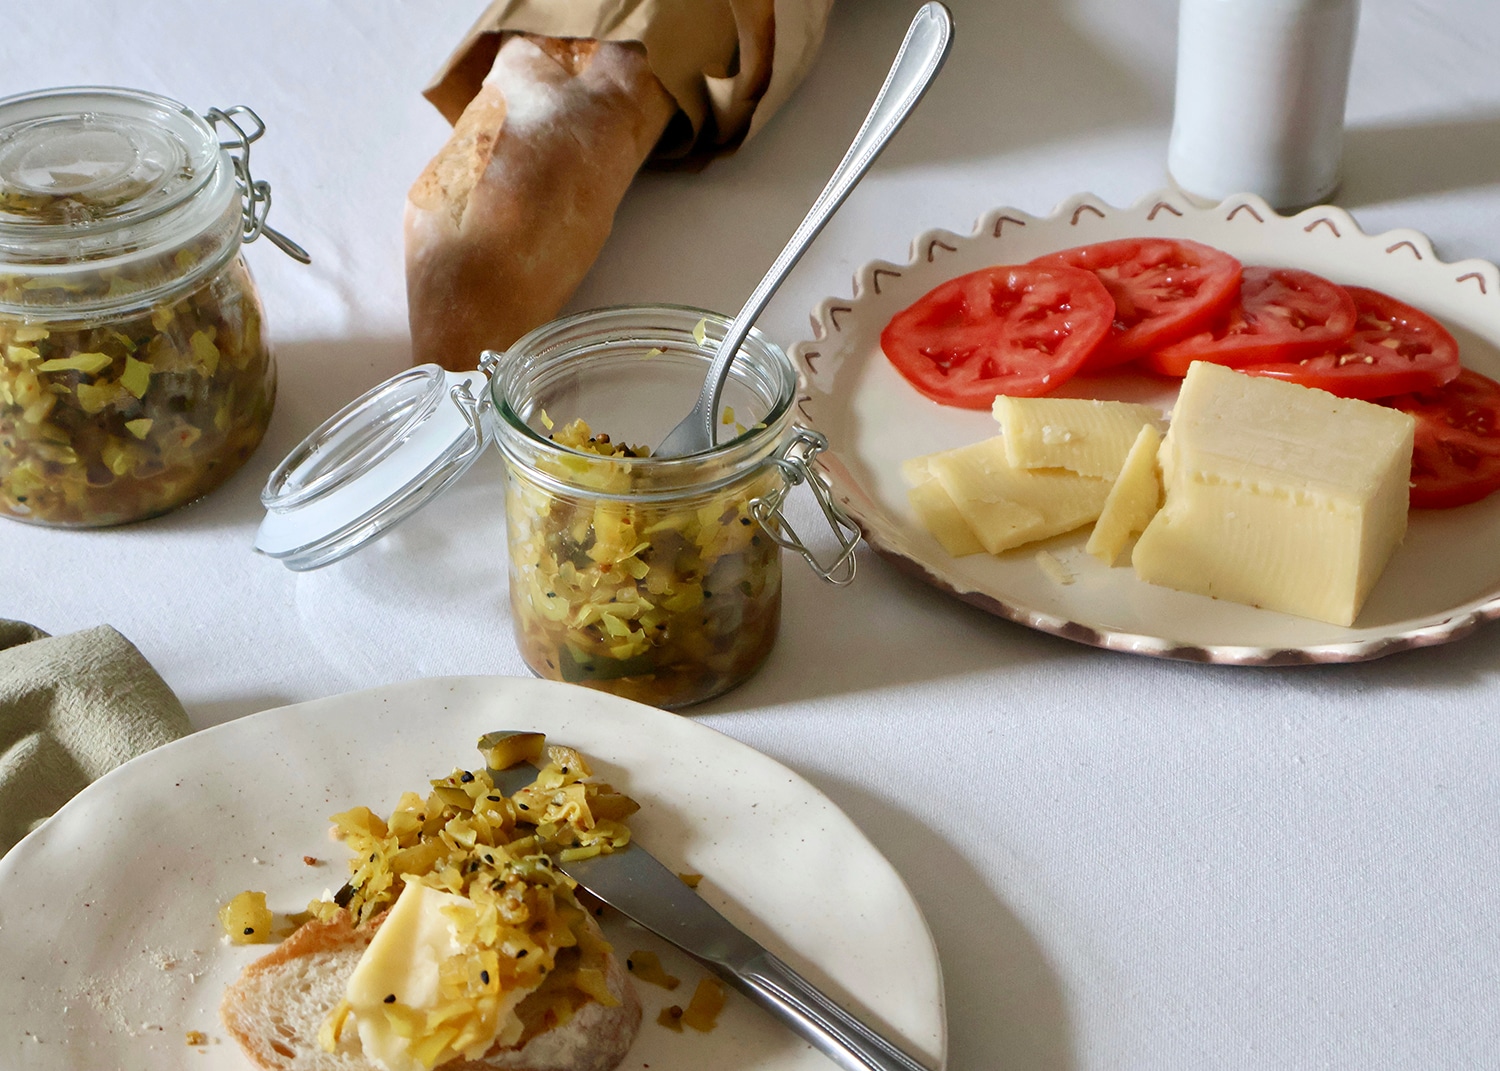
(473, 414)
(256, 194)
(796, 467)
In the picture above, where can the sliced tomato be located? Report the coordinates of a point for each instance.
(1004, 330)
(1456, 458)
(1164, 290)
(1395, 349)
(1283, 314)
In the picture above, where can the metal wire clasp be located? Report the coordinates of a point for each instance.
(795, 464)
(256, 194)
(473, 411)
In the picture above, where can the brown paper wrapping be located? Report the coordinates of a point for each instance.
(729, 64)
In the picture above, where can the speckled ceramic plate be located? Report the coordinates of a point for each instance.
(1441, 584)
(112, 951)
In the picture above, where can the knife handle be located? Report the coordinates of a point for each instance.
(841, 1037)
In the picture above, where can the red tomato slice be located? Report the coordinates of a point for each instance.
(1283, 314)
(1004, 330)
(1456, 458)
(1164, 290)
(1395, 349)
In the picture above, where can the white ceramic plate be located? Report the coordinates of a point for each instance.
(1440, 585)
(112, 950)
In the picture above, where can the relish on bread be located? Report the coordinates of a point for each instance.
(456, 942)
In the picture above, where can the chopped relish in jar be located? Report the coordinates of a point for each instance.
(577, 435)
(133, 372)
(114, 421)
(663, 599)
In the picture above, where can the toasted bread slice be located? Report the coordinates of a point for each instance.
(277, 1006)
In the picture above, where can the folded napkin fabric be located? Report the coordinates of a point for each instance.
(72, 708)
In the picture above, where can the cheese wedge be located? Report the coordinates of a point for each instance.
(1081, 435)
(1133, 500)
(1006, 507)
(1277, 495)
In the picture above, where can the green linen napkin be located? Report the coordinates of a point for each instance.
(72, 708)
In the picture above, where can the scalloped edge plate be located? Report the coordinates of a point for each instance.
(108, 927)
(1440, 585)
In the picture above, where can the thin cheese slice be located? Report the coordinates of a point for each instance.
(1133, 500)
(1007, 507)
(1081, 435)
(403, 965)
(938, 514)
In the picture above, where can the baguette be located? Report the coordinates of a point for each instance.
(507, 219)
(279, 1003)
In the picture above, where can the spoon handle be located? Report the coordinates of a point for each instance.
(917, 63)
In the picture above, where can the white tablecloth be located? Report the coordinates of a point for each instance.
(1125, 862)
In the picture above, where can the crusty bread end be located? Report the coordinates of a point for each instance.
(505, 222)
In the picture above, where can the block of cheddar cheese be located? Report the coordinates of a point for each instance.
(1277, 495)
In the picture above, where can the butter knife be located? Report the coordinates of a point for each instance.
(636, 884)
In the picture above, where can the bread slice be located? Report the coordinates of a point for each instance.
(277, 1006)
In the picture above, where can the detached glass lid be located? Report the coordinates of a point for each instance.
(373, 464)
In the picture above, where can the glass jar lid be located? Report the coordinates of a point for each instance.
(373, 464)
(114, 186)
(91, 159)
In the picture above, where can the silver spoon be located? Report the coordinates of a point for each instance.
(916, 65)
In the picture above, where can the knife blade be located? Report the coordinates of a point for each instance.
(636, 884)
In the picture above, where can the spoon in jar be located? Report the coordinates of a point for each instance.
(916, 65)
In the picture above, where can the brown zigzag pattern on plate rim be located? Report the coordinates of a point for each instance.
(800, 403)
(833, 314)
(1244, 208)
(1159, 206)
(1323, 221)
(1003, 220)
(937, 243)
(878, 272)
(1483, 288)
(1414, 250)
(809, 357)
(1081, 209)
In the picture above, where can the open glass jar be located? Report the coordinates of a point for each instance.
(134, 372)
(650, 577)
(658, 579)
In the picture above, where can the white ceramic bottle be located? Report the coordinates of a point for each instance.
(1261, 86)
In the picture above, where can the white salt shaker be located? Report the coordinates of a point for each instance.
(1260, 98)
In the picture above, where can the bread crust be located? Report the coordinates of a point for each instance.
(506, 220)
(277, 1005)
